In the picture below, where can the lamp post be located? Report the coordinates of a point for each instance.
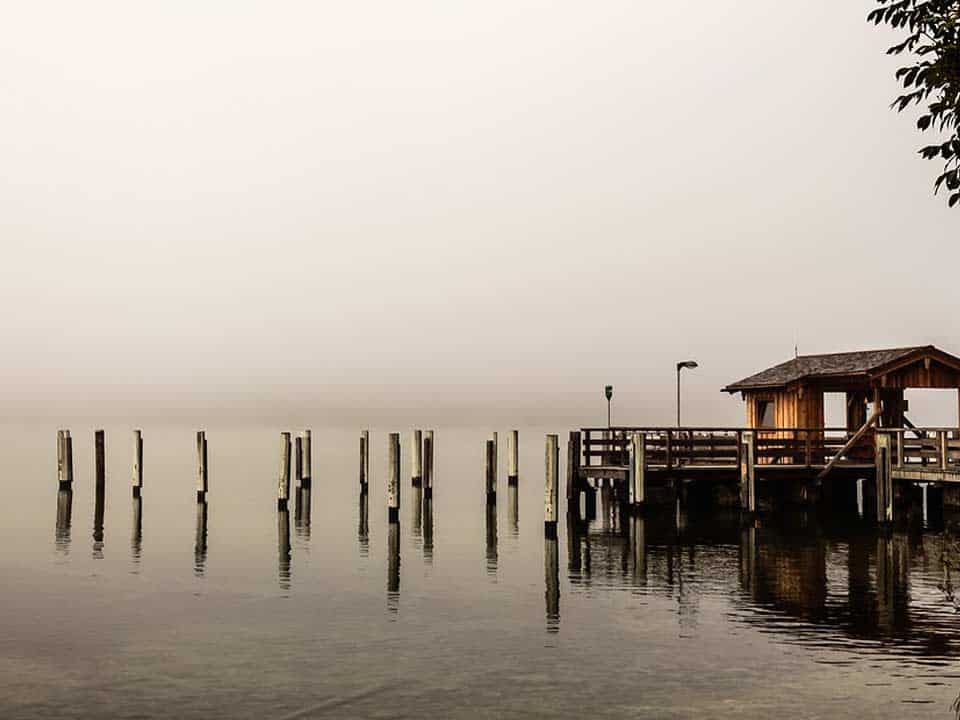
(608, 391)
(690, 365)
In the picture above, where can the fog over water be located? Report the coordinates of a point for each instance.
(236, 208)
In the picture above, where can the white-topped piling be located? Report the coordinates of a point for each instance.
(551, 496)
(283, 481)
(513, 457)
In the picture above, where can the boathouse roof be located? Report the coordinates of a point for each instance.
(864, 363)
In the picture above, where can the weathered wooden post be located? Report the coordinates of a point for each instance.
(748, 473)
(551, 496)
(513, 453)
(416, 459)
(393, 480)
(306, 463)
(364, 459)
(490, 472)
(202, 466)
(298, 461)
(137, 462)
(884, 478)
(283, 481)
(637, 484)
(62, 459)
(573, 473)
(496, 458)
(100, 462)
(428, 465)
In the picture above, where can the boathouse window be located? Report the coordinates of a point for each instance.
(765, 414)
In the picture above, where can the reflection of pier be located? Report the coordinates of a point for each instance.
(64, 518)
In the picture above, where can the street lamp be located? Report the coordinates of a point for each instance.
(690, 365)
(608, 391)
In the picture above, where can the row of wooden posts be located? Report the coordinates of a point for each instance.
(300, 453)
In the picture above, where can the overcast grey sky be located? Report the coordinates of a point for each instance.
(446, 204)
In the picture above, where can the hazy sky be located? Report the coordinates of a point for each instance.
(446, 204)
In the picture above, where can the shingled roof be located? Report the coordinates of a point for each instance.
(825, 366)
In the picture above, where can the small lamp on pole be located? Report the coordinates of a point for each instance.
(608, 392)
(690, 365)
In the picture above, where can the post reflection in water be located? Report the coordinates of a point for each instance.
(428, 529)
(417, 515)
(137, 534)
(638, 548)
(283, 548)
(200, 544)
(302, 510)
(393, 567)
(513, 510)
(551, 569)
(64, 518)
(363, 523)
(491, 527)
(98, 525)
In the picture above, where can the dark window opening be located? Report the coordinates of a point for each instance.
(765, 414)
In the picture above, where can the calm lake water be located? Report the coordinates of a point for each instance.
(673, 616)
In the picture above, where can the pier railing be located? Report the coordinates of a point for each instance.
(925, 448)
(672, 448)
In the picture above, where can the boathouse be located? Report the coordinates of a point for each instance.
(790, 395)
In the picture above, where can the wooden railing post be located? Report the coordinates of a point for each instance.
(808, 448)
(637, 484)
(944, 446)
(669, 449)
(884, 476)
(899, 456)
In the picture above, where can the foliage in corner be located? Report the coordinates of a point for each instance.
(933, 79)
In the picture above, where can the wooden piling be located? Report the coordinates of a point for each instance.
(490, 472)
(202, 480)
(393, 479)
(100, 463)
(428, 465)
(62, 458)
(137, 462)
(884, 478)
(572, 479)
(306, 463)
(748, 470)
(298, 459)
(551, 497)
(416, 458)
(364, 458)
(513, 455)
(496, 457)
(283, 481)
(637, 484)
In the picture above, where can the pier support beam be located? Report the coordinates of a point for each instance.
(637, 482)
(551, 496)
(748, 473)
